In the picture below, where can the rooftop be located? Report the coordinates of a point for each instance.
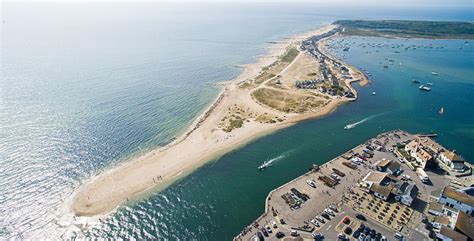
(423, 155)
(458, 196)
(443, 220)
(452, 156)
(383, 163)
(435, 206)
(465, 224)
(455, 236)
(382, 190)
(394, 165)
(375, 177)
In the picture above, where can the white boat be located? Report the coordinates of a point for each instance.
(373, 93)
(430, 84)
(434, 73)
(441, 111)
(311, 183)
(425, 88)
(263, 166)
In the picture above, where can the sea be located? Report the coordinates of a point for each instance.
(85, 86)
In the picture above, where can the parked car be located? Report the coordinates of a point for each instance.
(361, 217)
(269, 230)
(260, 236)
(356, 234)
(280, 235)
(346, 220)
(329, 211)
(325, 215)
(342, 236)
(282, 221)
(315, 222)
(348, 230)
(274, 224)
(264, 232)
(317, 235)
(294, 233)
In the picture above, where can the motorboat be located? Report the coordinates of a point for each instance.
(425, 88)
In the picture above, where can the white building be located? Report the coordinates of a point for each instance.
(416, 151)
(458, 200)
(408, 193)
(452, 160)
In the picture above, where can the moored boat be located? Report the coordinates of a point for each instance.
(415, 81)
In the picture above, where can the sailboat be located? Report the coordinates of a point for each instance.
(441, 111)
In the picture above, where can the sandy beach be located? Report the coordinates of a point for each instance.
(233, 119)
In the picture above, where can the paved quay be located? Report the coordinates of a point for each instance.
(300, 204)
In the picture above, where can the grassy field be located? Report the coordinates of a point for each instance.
(286, 102)
(290, 55)
(405, 28)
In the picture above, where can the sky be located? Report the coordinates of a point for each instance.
(407, 3)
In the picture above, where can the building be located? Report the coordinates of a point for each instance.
(408, 193)
(415, 150)
(453, 161)
(465, 225)
(447, 234)
(412, 146)
(382, 192)
(440, 221)
(458, 200)
(394, 168)
(382, 165)
(422, 157)
(435, 208)
(379, 178)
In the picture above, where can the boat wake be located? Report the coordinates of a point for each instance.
(270, 162)
(350, 126)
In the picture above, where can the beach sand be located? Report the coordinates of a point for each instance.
(203, 141)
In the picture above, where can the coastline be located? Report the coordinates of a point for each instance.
(200, 143)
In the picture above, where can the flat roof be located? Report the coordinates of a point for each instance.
(394, 165)
(458, 195)
(383, 163)
(383, 190)
(442, 220)
(435, 206)
(376, 177)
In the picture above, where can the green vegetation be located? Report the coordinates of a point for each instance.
(287, 102)
(406, 28)
(290, 55)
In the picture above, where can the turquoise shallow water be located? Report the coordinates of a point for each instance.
(83, 87)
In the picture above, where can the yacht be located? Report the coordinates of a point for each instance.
(415, 81)
(373, 93)
(425, 88)
(434, 73)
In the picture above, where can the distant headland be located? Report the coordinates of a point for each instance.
(408, 29)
